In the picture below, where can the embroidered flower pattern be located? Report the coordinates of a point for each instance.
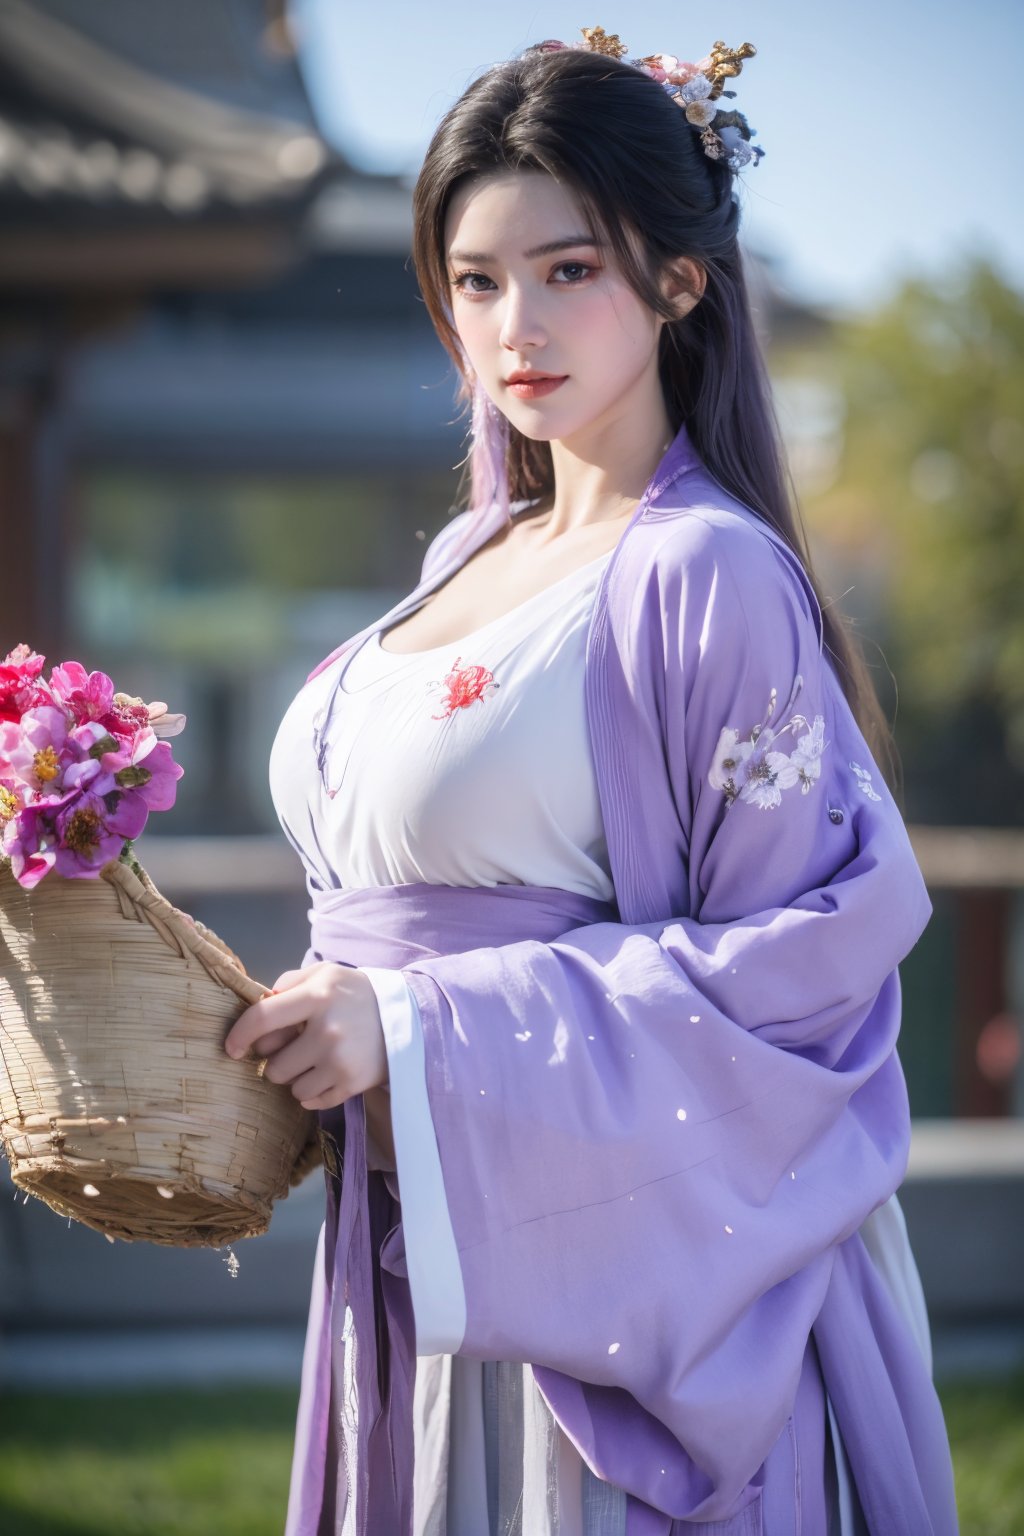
(463, 686)
(864, 783)
(756, 771)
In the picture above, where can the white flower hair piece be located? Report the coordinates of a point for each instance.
(695, 88)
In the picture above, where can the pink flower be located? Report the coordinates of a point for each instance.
(10, 735)
(18, 687)
(144, 767)
(31, 854)
(129, 708)
(12, 798)
(46, 755)
(29, 839)
(682, 72)
(91, 833)
(85, 695)
(80, 767)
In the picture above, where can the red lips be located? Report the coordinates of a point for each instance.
(530, 386)
(531, 376)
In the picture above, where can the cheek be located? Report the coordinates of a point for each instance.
(614, 323)
(477, 324)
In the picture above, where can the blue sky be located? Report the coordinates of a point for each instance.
(891, 143)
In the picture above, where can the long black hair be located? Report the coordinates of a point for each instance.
(638, 169)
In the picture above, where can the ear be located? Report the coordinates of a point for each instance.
(683, 281)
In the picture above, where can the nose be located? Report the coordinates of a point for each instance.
(520, 326)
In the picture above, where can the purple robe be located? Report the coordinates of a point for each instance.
(661, 1121)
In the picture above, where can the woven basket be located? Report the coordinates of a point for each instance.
(118, 1104)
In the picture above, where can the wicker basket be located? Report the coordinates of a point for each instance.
(118, 1104)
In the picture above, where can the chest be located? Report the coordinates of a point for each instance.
(496, 581)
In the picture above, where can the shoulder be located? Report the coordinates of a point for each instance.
(721, 554)
(467, 525)
(443, 543)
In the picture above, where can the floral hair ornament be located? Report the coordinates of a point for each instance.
(724, 135)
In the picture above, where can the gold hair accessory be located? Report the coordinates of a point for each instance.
(695, 88)
(599, 41)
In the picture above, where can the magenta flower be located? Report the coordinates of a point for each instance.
(47, 754)
(81, 767)
(133, 711)
(19, 689)
(29, 839)
(144, 767)
(85, 695)
(91, 833)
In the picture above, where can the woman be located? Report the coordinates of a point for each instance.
(609, 893)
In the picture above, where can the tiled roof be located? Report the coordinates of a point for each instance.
(81, 123)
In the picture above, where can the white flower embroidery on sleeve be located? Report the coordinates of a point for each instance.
(864, 783)
(756, 771)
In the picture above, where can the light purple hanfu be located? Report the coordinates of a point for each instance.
(660, 1120)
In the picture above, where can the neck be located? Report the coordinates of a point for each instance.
(601, 474)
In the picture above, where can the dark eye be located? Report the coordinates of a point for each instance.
(458, 279)
(580, 266)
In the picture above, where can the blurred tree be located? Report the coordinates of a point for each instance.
(928, 501)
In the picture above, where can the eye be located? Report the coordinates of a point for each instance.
(578, 266)
(456, 281)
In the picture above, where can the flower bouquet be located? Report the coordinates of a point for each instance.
(118, 1105)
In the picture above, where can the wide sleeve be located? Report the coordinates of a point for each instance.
(652, 1136)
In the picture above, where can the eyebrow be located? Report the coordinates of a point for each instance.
(548, 249)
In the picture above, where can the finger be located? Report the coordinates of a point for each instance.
(272, 1012)
(319, 1089)
(276, 1040)
(322, 1102)
(301, 1055)
(247, 1028)
(289, 979)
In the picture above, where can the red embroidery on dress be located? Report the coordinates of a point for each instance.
(463, 686)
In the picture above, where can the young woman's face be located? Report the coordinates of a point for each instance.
(567, 312)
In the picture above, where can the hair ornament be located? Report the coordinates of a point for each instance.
(695, 88)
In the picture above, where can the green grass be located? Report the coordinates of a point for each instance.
(985, 1420)
(146, 1464)
(217, 1463)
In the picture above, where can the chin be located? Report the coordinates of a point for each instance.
(551, 428)
(530, 430)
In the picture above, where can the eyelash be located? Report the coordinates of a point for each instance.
(474, 292)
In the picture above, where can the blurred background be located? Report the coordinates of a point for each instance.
(227, 432)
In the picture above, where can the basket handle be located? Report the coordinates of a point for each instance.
(140, 899)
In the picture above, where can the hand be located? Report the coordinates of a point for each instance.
(321, 1032)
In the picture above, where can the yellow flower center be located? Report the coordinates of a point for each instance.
(8, 804)
(45, 764)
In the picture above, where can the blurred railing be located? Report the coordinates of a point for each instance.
(953, 858)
